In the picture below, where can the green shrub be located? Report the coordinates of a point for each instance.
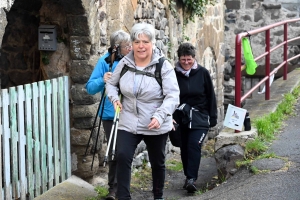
(174, 165)
(101, 191)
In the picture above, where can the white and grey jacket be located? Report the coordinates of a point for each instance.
(151, 99)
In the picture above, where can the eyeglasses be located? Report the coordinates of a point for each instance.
(186, 60)
(127, 47)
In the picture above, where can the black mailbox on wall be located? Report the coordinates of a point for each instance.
(47, 38)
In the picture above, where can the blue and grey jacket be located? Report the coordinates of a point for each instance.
(96, 84)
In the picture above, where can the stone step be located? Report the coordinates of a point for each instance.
(74, 188)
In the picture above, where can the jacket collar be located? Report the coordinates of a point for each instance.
(189, 72)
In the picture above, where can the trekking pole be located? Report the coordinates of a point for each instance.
(94, 123)
(116, 133)
(114, 129)
(102, 100)
(95, 148)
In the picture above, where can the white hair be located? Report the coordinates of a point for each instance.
(118, 37)
(145, 29)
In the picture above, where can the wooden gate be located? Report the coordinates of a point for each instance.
(35, 138)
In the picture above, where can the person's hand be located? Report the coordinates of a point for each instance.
(116, 104)
(154, 124)
(107, 76)
(174, 122)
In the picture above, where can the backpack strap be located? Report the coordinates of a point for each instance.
(124, 70)
(156, 75)
(157, 72)
(137, 71)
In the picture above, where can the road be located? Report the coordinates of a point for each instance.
(271, 185)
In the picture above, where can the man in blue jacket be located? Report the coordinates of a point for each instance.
(120, 46)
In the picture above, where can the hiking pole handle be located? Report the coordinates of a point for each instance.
(110, 137)
(116, 133)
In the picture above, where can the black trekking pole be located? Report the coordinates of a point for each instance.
(102, 98)
(95, 148)
(94, 123)
(102, 101)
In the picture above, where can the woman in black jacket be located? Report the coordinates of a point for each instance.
(197, 111)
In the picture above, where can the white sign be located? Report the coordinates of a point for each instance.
(235, 117)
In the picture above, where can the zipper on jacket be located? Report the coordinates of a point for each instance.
(191, 117)
(208, 120)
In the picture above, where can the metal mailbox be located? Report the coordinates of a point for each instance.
(47, 38)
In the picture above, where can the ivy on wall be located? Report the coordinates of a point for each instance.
(191, 8)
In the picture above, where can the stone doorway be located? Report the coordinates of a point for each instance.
(21, 62)
(20, 59)
(81, 37)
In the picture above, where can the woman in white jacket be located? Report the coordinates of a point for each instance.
(146, 108)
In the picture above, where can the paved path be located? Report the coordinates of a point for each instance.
(175, 180)
(273, 185)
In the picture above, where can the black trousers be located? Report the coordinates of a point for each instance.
(127, 143)
(192, 140)
(112, 164)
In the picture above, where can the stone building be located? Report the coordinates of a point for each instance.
(83, 28)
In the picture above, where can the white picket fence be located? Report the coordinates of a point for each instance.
(35, 138)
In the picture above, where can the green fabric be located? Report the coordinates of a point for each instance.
(248, 56)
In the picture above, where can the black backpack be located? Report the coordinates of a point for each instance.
(156, 75)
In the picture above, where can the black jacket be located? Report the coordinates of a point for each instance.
(197, 90)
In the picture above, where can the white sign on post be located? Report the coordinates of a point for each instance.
(234, 117)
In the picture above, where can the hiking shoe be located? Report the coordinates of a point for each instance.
(185, 184)
(190, 187)
(111, 196)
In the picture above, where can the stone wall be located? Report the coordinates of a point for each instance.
(291, 5)
(84, 27)
(4, 8)
(244, 15)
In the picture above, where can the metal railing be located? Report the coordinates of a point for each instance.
(238, 59)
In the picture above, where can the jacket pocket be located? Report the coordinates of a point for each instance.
(198, 119)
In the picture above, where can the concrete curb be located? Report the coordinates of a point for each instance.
(73, 188)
